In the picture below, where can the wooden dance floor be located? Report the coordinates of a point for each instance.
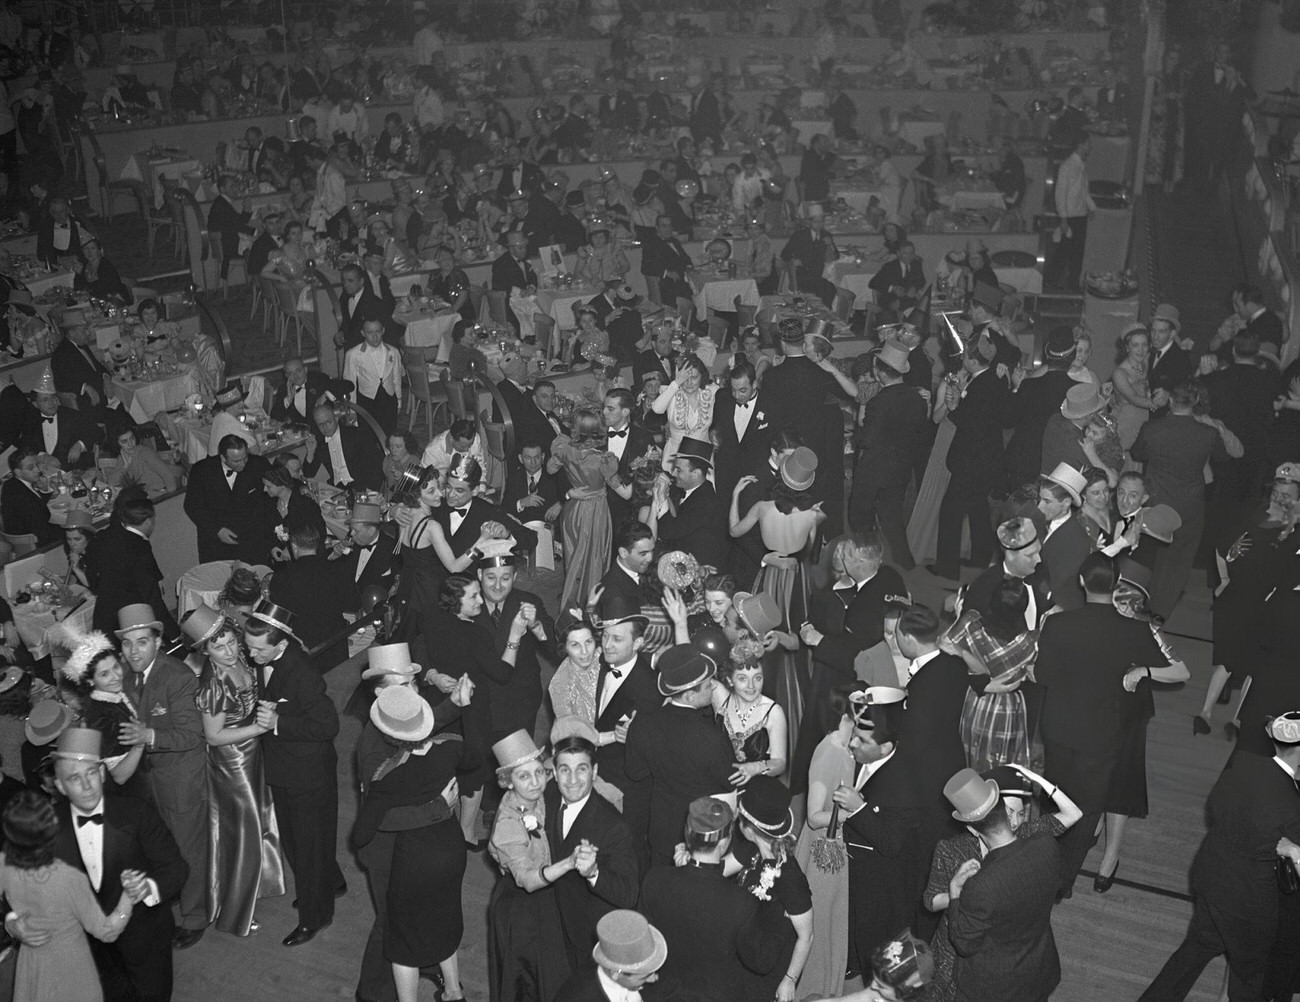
(1111, 945)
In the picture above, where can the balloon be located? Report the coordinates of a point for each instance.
(712, 641)
(687, 188)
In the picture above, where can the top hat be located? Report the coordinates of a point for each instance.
(573, 726)
(278, 616)
(1082, 400)
(79, 744)
(1289, 472)
(1135, 574)
(1066, 476)
(11, 677)
(1284, 729)
(708, 818)
(894, 355)
(862, 701)
(1160, 521)
(1168, 313)
(683, 667)
(971, 796)
(138, 615)
(988, 296)
(765, 804)
(1010, 782)
(694, 448)
(615, 609)
(231, 393)
(799, 469)
(758, 613)
(45, 384)
(201, 624)
(390, 659)
(364, 513)
(790, 329)
(78, 518)
(628, 944)
(402, 713)
(1060, 345)
(46, 721)
(1017, 533)
(515, 750)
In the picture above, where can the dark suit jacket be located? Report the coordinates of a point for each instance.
(548, 489)
(73, 371)
(260, 252)
(659, 256)
(893, 273)
(618, 881)
(617, 582)
(931, 742)
(735, 458)
(651, 361)
(244, 509)
(584, 986)
(847, 630)
(128, 574)
(532, 178)
(311, 587)
(699, 527)
(795, 391)
(639, 693)
(1027, 412)
(226, 221)
(480, 511)
(135, 838)
(22, 511)
(300, 754)
(317, 385)
(508, 273)
(979, 594)
(360, 450)
(381, 569)
(747, 552)
(895, 426)
(178, 759)
(516, 702)
(674, 755)
(73, 428)
(1174, 367)
(45, 251)
(976, 450)
(1001, 925)
(369, 307)
(1267, 327)
(531, 426)
(1063, 551)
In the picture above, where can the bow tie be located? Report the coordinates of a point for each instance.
(618, 434)
(745, 406)
(365, 549)
(61, 226)
(462, 512)
(85, 819)
(48, 420)
(616, 672)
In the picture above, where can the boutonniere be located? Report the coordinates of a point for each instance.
(767, 878)
(281, 534)
(531, 825)
(158, 710)
(761, 416)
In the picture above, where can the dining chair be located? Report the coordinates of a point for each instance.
(426, 392)
(20, 542)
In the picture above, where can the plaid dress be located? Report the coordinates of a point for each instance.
(994, 727)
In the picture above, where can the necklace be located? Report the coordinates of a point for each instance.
(743, 716)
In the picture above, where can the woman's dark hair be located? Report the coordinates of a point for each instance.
(785, 440)
(261, 628)
(146, 304)
(452, 594)
(1094, 475)
(409, 442)
(279, 476)
(462, 428)
(1005, 619)
(242, 588)
(30, 825)
(692, 361)
(787, 499)
(720, 582)
(86, 682)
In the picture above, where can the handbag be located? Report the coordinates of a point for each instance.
(1288, 881)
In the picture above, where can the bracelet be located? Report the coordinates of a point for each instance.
(541, 872)
(790, 976)
(512, 645)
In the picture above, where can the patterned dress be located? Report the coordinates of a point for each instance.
(994, 727)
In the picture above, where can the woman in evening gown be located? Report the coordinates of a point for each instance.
(243, 841)
(585, 524)
(688, 403)
(1133, 404)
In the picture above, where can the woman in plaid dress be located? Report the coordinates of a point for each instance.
(1000, 653)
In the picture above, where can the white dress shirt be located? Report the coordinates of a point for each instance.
(569, 813)
(1071, 194)
(50, 433)
(915, 666)
(618, 445)
(742, 416)
(613, 683)
(342, 475)
(613, 990)
(865, 773)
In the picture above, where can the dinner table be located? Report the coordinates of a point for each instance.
(719, 288)
(202, 584)
(144, 398)
(558, 303)
(43, 279)
(191, 436)
(41, 623)
(428, 324)
(151, 166)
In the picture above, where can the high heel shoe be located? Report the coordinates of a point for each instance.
(1200, 725)
(1230, 730)
(1102, 884)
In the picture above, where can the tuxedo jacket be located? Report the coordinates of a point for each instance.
(1267, 327)
(300, 754)
(381, 569)
(509, 273)
(894, 273)
(531, 425)
(135, 838)
(73, 370)
(531, 178)
(317, 592)
(260, 252)
(1063, 552)
(584, 986)
(128, 574)
(659, 256)
(847, 630)
(368, 307)
(243, 508)
(699, 527)
(1173, 368)
(617, 582)
(360, 451)
(638, 694)
(639, 442)
(1027, 413)
(895, 427)
(73, 428)
(651, 361)
(675, 754)
(976, 452)
(481, 510)
(618, 880)
(23, 511)
(177, 761)
(227, 221)
(979, 594)
(930, 742)
(737, 457)
(747, 552)
(45, 251)
(318, 384)
(516, 701)
(549, 490)
(1001, 925)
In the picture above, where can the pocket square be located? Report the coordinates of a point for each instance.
(158, 710)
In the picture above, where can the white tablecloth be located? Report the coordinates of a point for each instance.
(857, 282)
(23, 245)
(558, 304)
(1021, 279)
(45, 282)
(428, 330)
(36, 626)
(141, 167)
(144, 400)
(721, 294)
(809, 127)
(202, 584)
(974, 200)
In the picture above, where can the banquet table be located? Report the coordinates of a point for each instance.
(720, 292)
(428, 327)
(856, 277)
(202, 584)
(40, 625)
(973, 199)
(19, 243)
(1105, 321)
(143, 399)
(191, 436)
(558, 304)
(46, 280)
(858, 197)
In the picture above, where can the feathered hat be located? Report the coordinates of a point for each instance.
(84, 648)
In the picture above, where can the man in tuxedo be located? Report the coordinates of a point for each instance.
(227, 222)
(58, 235)
(625, 686)
(302, 388)
(517, 174)
(899, 282)
(659, 357)
(463, 512)
(60, 431)
(530, 412)
(372, 560)
(1261, 322)
(358, 304)
(176, 754)
(628, 444)
(629, 953)
(690, 516)
(512, 270)
(532, 492)
(515, 704)
(747, 552)
(588, 828)
(128, 571)
(974, 460)
(1170, 365)
(895, 427)
(634, 551)
(718, 936)
(230, 510)
(676, 753)
(664, 258)
(1000, 909)
(1033, 401)
(299, 725)
(1088, 659)
(22, 507)
(1252, 808)
(266, 241)
(314, 584)
(78, 372)
(617, 309)
(119, 843)
(349, 453)
(744, 431)
(881, 815)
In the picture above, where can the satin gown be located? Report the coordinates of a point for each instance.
(585, 526)
(244, 861)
